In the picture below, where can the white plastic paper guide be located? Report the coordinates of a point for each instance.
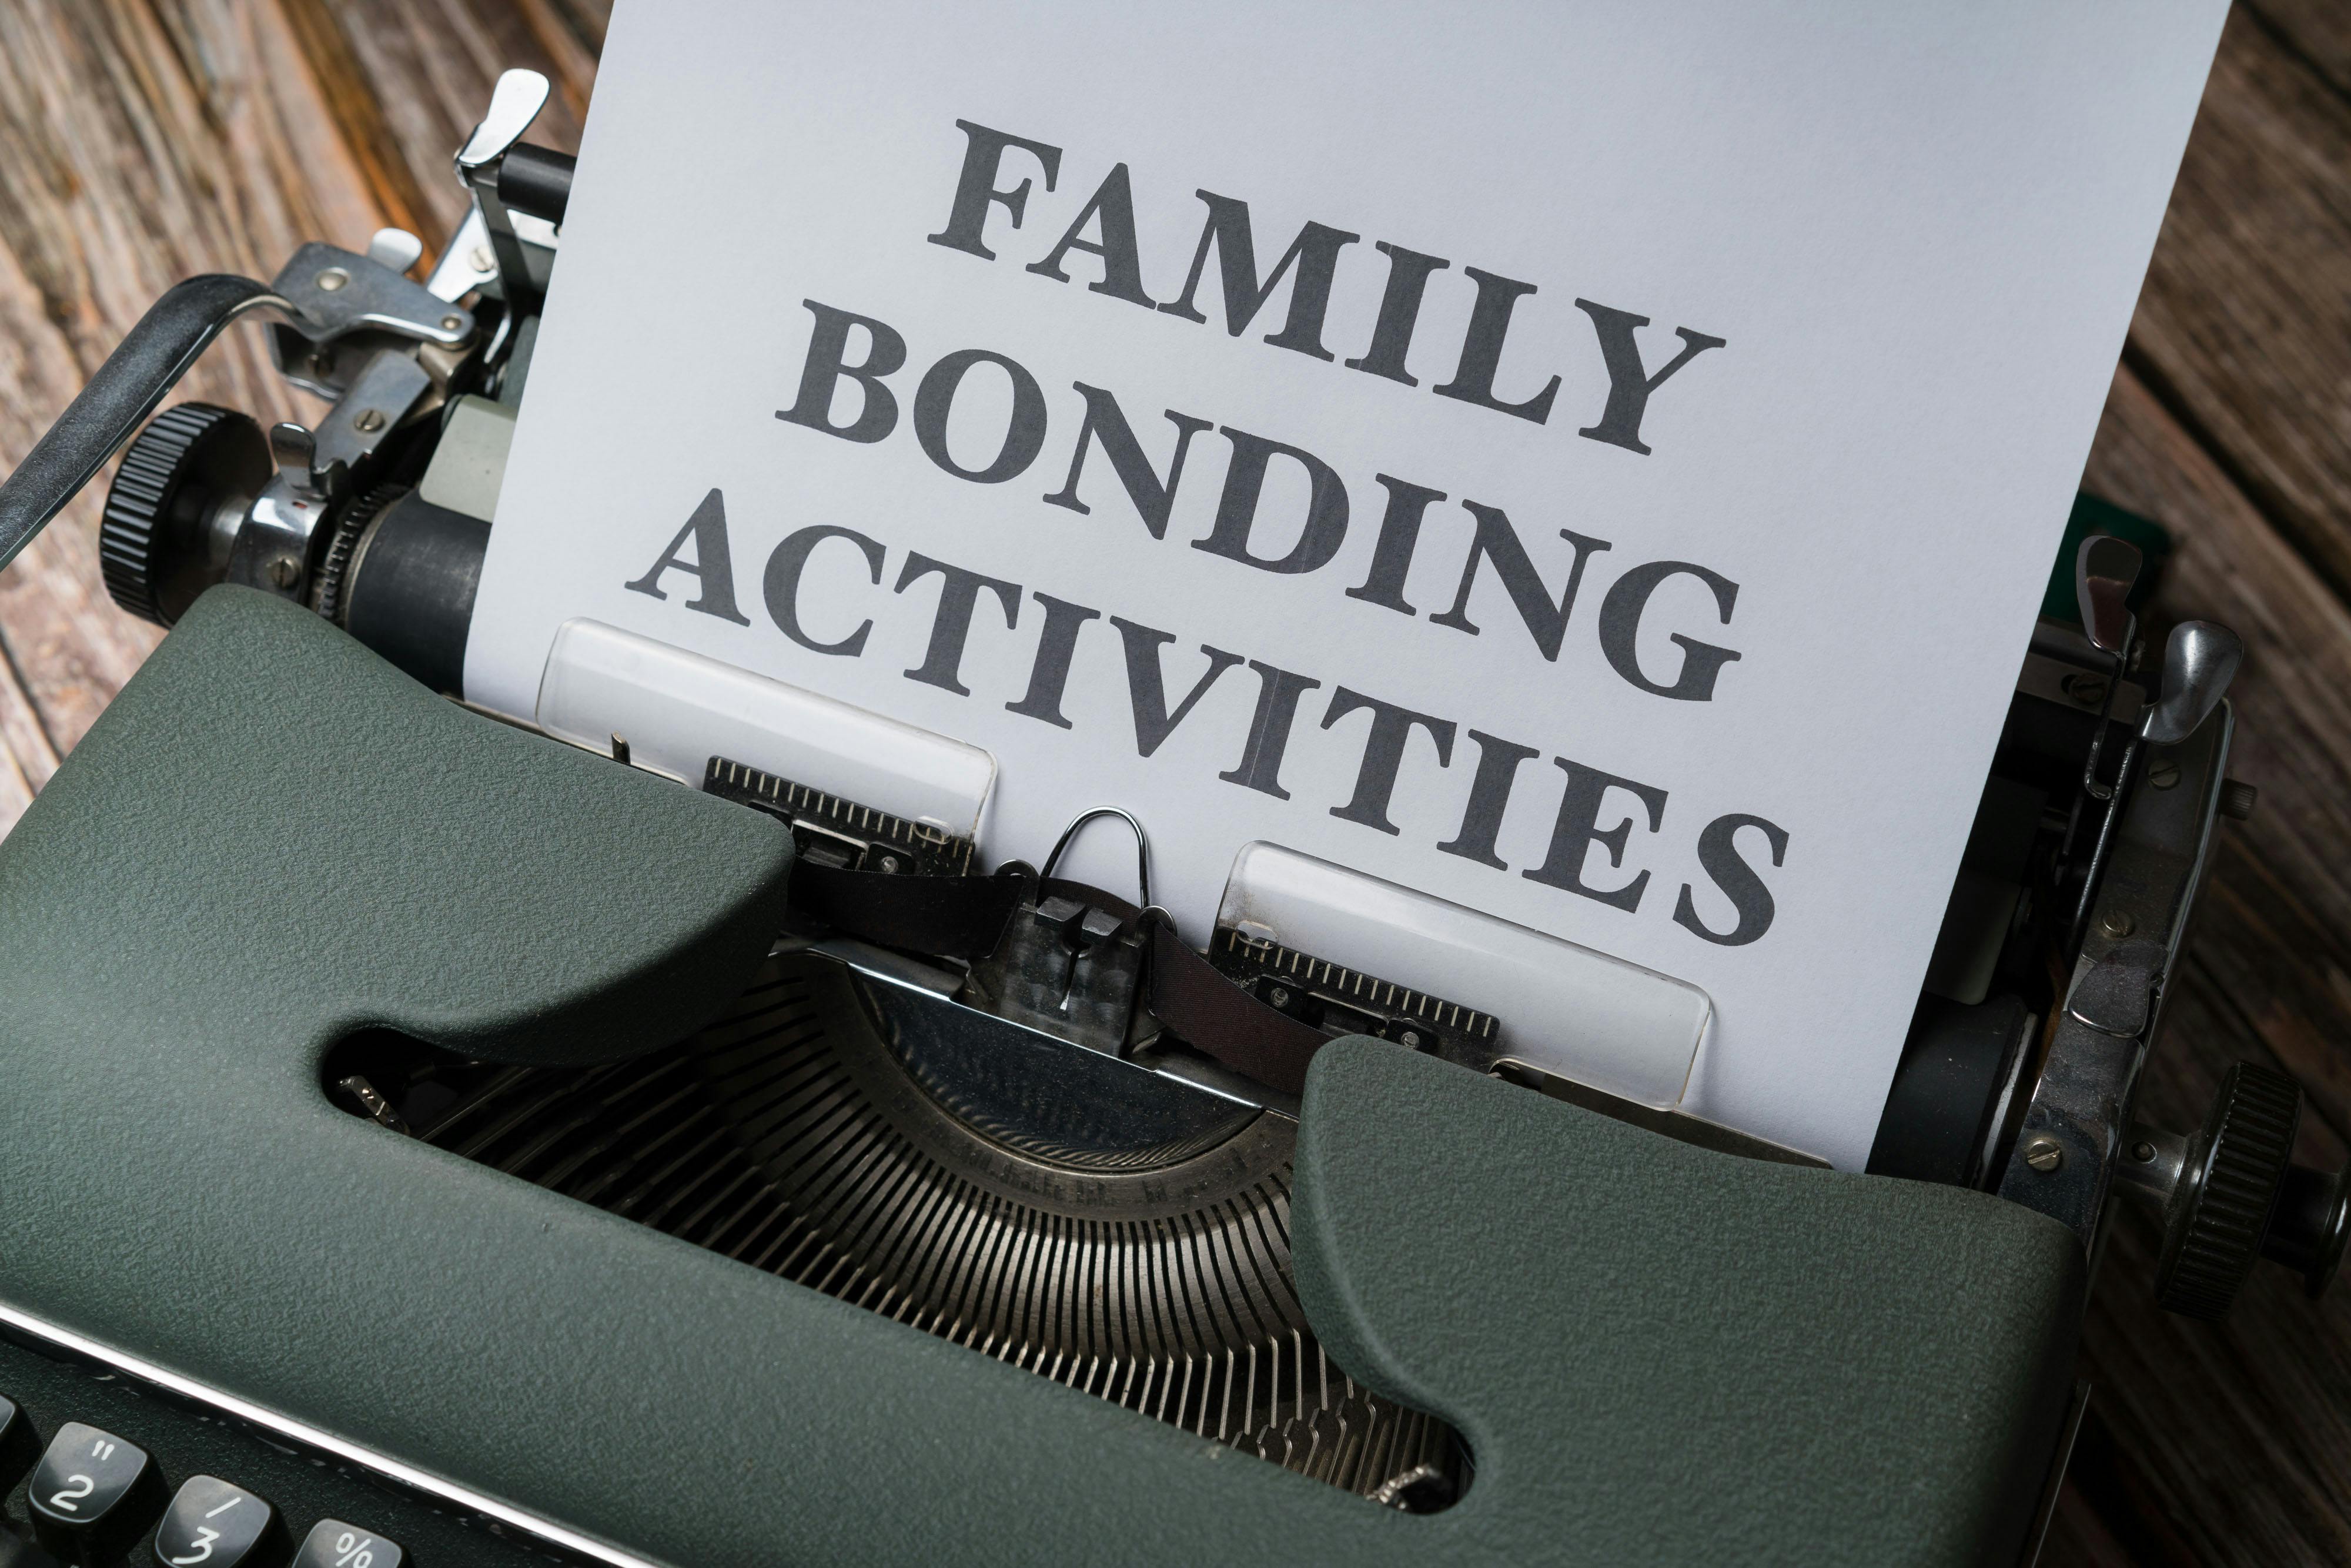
(676, 710)
(1568, 1010)
(1595, 466)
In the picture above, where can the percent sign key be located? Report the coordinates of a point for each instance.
(332, 1544)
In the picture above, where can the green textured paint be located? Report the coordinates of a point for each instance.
(1661, 1356)
(1711, 1359)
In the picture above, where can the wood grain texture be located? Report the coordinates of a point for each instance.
(2243, 325)
(144, 139)
(2317, 30)
(2230, 1443)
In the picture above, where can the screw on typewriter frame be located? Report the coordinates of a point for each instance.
(2091, 691)
(2045, 1154)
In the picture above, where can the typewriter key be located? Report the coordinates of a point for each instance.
(215, 1524)
(18, 1444)
(332, 1544)
(89, 1494)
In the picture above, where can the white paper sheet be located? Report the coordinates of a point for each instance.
(1901, 242)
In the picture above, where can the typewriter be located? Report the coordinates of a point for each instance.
(644, 1131)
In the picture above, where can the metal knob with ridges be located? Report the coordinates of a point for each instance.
(2227, 1191)
(172, 512)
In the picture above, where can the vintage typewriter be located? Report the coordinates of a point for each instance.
(644, 1131)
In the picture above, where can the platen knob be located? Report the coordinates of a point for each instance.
(2220, 1211)
(175, 504)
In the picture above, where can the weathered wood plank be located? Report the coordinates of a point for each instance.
(430, 65)
(2317, 30)
(2079, 1537)
(358, 112)
(2243, 323)
(26, 759)
(138, 144)
(142, 141)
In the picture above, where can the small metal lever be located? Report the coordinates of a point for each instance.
(514, 102)
(396, 250)
(2198, 662)
(135, 379)
(310, 471)
(296, 452)
(2105, 571)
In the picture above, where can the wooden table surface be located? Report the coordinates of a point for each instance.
(144, 139)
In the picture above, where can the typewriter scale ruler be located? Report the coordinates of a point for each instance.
(1092, 1222)
(837, 832)
(1339, 1000)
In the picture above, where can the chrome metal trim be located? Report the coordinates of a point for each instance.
(883, 967)
(544, 1532)
(2081, 1102)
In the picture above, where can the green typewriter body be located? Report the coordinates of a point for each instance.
(430, 1139)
